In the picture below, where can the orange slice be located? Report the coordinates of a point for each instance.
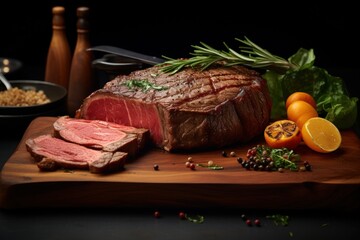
(321, 135)
(282, 134)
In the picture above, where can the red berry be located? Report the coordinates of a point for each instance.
(257, 222)
(192, 166)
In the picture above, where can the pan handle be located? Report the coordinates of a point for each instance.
(128, 54)
(113, 63)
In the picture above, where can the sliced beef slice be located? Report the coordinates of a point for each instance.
(52, 153)
(97, 134)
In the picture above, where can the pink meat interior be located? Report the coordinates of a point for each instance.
(85, 133)
(127, 112)
(58, 149)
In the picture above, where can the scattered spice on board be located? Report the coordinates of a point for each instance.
(263, 157)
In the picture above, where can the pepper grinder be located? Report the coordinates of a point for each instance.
(82, 78)
(59, 56)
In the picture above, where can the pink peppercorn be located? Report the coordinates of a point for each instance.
(157, 214)
(182, 215)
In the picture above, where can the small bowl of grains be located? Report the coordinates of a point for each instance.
(28, 99)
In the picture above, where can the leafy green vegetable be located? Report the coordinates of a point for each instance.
(297, 73)
(329, 92)
(340, 109)
(303, 58)
(277, 97)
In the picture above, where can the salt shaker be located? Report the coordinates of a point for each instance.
(82, 77)
(59, 55)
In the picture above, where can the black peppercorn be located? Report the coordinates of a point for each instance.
(156, 167)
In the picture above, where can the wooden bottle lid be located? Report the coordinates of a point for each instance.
(58, 18)
(83, 14)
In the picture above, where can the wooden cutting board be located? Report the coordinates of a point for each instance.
(333, 182)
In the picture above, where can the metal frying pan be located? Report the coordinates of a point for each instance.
(57, 95)
(14, 120)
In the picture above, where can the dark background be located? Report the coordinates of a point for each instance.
(169, 29)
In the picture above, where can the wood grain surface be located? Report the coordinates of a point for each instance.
(334, 181)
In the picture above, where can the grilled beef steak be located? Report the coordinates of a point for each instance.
(100, 135)
(52, 153)
(188, 110)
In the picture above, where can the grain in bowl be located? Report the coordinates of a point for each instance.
(20, 97)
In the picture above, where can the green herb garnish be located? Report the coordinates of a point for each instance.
(283, 76)
(143, 84)
(212, 167)
(279, 219)
(195, 219)
(284, 158)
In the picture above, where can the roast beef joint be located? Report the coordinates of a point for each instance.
(187, 110)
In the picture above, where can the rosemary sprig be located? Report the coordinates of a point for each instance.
(250, 55)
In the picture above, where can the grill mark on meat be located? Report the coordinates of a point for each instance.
(212, 82)
(223, 78)
(182, 98)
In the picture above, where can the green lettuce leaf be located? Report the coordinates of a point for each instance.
(341, 110)
(273, 80)
(303, 58)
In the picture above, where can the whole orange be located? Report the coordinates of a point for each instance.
(300, 108)
(303, 118)
(300, 96)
